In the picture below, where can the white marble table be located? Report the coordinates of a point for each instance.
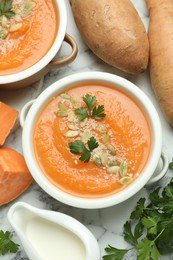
(106, 224)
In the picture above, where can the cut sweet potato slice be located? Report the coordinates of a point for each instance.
(15, 177)
(8, 116)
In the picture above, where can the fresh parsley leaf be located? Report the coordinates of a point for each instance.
(7, 5)
(114, 253)
(6, 243)
(79, 147)
(82, 113)
(128, 235)
(165, 240)
(138, 212)
(94, 112)
(138, 230)
(151, 224)
(92, 144)
(164, 200)
(9, 14)
(5, 8)
(155, 254)
(163, 223)
(89, 101)
(98, 112)
(171, 165)
(145, 250)
(168, 192)
(85, 157)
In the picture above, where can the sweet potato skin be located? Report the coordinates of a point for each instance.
(160, 35)
(113, 30)
(15, 177)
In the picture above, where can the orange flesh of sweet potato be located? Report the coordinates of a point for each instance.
(114, 31)
(15, 177)
(8, 116)
(161, 53)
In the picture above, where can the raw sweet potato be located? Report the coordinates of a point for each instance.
(161, 53)
(15, 177)
(8, 116)
(113, 30)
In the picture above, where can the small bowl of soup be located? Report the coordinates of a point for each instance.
(92, 140)
(31, 34)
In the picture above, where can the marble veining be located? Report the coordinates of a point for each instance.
(106, 224)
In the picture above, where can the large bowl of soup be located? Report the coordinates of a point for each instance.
(31, 35)
(92, 139)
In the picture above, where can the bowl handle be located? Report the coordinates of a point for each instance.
(68, 59)
(24, 112)
(163, 171)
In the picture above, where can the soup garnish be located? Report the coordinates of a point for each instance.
(105, 155)
(12, 14)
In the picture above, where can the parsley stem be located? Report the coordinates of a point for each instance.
(159, 235)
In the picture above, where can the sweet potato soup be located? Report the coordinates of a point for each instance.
(92, 140)
(27, 31)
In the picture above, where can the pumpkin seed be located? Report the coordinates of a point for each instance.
(15, 27)
(112, 163)
(73, 100)
(3, 34)
(105, 138)
(4, 21)
(73, 127)
(71, 133)
(101, 128)
(86, 135)
(125, 180)
(28, 6)
(83, 122)
(97, 160)
(104, 158)
(113, 169)
(64, 96)
(123, 168)
(111, 149)
(62, 110)
(62, 113)
(71, 116)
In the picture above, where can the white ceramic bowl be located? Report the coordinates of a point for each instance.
(119, 83)
(35, 72)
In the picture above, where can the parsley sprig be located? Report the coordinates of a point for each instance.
(92, 111)
(150, 227)
(5, 8)
(171, 165)
(6, 243)
(78, 147)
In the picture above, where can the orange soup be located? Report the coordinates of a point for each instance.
(26, 34)
(92, 140)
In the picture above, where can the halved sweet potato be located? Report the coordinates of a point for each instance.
(8, 116)
(15, 177)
